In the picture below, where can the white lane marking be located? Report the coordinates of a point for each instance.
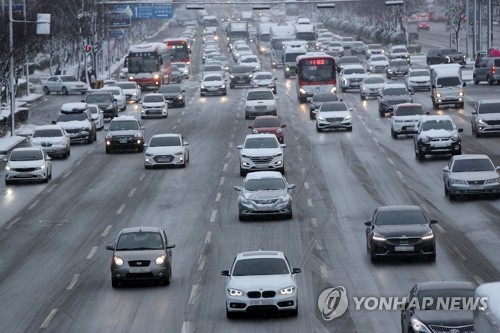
(178, 120)
(49, 318)
(478, 279)
(458, 252)
(79, 162)
(306, 185)
(400, 175)
(208, 237)
(52, 188)
(132, 191)
(73, 282)
(33, 205)
(225, 167)
(390, 161)
(298, 146)
(185, 327)
(323, 271)
(174, 127)
(194, 294)
(105, 232)
(120, 210)
(369, 131)
(425, 208)
(92, 252)
(314, 223)
(234, 128)
(212, 217)
(201, 262)
(232, 136)
(228, 155)
(318, 245)
(439, 228)
(13, 222)
(142, 177)
(217, 197)
(303, 170)
(67, 174)
(309, 202)
(230, 145)
(183, 113)
(222, 181)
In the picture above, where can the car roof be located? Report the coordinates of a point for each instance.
(124, 117)
(470, 156)
(153, 94)
(166, 135)
(258, 89)
(262, 72)
(111, 88)
(264, 174)
(437, 117)
(394, 85)
(74, 107)
(489, 101)
(260, 135)
(211, 74)
(353, 66)
(407, 105)
(446, 285)
(140, 229)
(44, 127)
(245, 56)
(259, 254)
(398, 208)
(26, 149)
(267, 117)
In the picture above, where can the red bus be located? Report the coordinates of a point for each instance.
(149, 64)
(178, 48)
(316, 73)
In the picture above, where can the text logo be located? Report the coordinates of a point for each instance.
(332, 303)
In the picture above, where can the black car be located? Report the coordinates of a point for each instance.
(106, 102)
(400, 231)
(439, 55)
(391, 95)
(125, 133)
(318, 99)
(397, 68)
(439, 306)
(241, 76)
(173, 94)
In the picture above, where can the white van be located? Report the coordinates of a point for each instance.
(446, 85)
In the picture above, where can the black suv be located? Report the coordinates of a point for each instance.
(437, 135)
(106, 102)
(125, 133)
(397, 67)
(439, 55)
(391, 95)
(76, 119)
(241, 76)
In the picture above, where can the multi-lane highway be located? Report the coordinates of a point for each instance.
(54, 268)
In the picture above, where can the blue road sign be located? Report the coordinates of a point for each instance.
(16, 8)
(115, 33)
(119, 19)
(147, 10)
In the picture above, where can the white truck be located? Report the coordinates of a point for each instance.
(237, 31)
(264, 37)
(291, 50)
(306, 32)
(279, 34)
(446, 85)
(487, 316)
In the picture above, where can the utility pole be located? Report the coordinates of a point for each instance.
(11, 69)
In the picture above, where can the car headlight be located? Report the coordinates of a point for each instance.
(378, 237)
(131, 78)
(203, 87)
(41, 167)
(418, 326)
(235, 292)
(245, 156)
(333, 90)
(137, 135)
(425, 139)
(156, 76)
(250, 76)
(149, 154)
(302, 91)
(8, 168)
(279, 130)
(160, 260)
(109, 107)
(480, 121)
(118, 261)
(179, 153)
(231, 76)
(223, 86)
(287, 291)
(321, 118)
(458, 182)
(461, 93)
(390, 71)
(438, 94)
(428, 235)
(364, 88)
(179, 97)
(455, 137)
(83, 129)
(347, 117)
(278, 154)
(287, 69)
(492, 181)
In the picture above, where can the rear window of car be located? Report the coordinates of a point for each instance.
(325, 98)
(497, 62)
(139, 241)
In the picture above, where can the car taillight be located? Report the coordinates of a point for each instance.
(493, 70)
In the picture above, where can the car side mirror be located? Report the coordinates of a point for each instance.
(460, 130)
(276, 98)
(240, 147)
(238, 188)
(275, 79)
(433, 221)
(5, 159)
(225, 273)
(446, 169)
(412, 93)
(110, 247)
(185, 143)
(83, 101)
(54, 122)
(368, 223)
(283, 145)
(250, 126)
(291, 186)
(296, 270)
(170, 246)
(464, 84)
(283, 126)
(115, 100)
(427, 113)
(145, 145)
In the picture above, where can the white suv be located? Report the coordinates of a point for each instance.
(154, 105)
(259, 102)
(404, 118)
(261, 152)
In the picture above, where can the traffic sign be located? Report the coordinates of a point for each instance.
(119, 19)
(147, 10)
(115, 33)
(16, 8)
(88, 48)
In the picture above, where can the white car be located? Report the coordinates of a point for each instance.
(154, 105)
(131, 90)
(336, 47)
(261, 152)
(371, 86)
(264, 80)
(236, 43)
(166, 149)
(374, 49)
(251, 61)
(64, 84)
(261, 280)
(213, 68)
(404, 118)
(240, 51)
(53, 140)
(27, 163)
(377, 64)
(183, 68)
(97, 115)
(224, 61)
(418, 79)
(333, 115)
(213, 84)
(259, 102)
(121, 100)
(352, 76)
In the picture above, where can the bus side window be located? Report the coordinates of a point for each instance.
(125, 62)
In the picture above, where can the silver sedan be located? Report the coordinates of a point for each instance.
(166, 149)
(64, 84)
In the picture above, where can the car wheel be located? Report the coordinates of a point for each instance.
(243, 172)
(478, 135)
(476, 81)
(247, 116)
(90, 139)
(166, 279)
(231, 315)
(394, 134)
(349, 129)
(490, 80)
(8, 182)
(361, 96)
(282, 170)
(64, 91)
(66, 154)
(231, 86)
(148, 167)
(140, 149)
(108, 150)
(242, 217)
(114, 283)
(294, 312)
(381, 113)
(318, 129)
(289, 215)
(275, 92)
(312, 115)
(461, 105)
(46, 90)
(46, 179)
(343, 89)
(373, 257)
(224, 93)
(431, 257)
(452, 197)
(419, 155)
(82, 92)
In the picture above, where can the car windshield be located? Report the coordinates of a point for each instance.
(180, 65)
(373, 80)
(489, 108)
(354, 71)
(410, 110)
(333, 106)
(257, 143)
(47, 133)
(395, 91)
(374, 47)
(260, 95)
(169, 89)
(325, 98)
(266, 122)
(71, 117)
(452, 81)
(136, 241)
(476, 164)
(213, 69)
(99, 98)
(263, 77)
(249, 60)
(437, 125)
(26, 155)
(420, 73)
(126, 85)
(244, 69)
(382, 58)
(448, 51)
(400, 50)
(212, 78)
(123, 125)
(165, 141)
(398, 217)
(115, 92)
(398, 63)
(265, 184)
(260, 266)
(67, 78)
(447, 299)
(153, 99)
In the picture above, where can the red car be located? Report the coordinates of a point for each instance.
(423, 25)
(268, 124)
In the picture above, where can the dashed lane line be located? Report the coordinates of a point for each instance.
(214, 214)
(73, 281)
(208, 237)
(217, 197)
(49, 318)
(120, 210)
(92, 252)
(106, 230)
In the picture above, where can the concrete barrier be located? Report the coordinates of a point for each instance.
(7, 144)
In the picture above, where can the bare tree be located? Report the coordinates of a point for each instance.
(456, 18)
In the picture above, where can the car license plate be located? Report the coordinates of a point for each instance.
(139, 269)
(441, 144)
(261, 302)
(163, 160)
(24, 175)
(241, 81)
(404, 248)
(123, 140)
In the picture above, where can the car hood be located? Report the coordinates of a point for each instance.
(212, 83)
(139, 255)
(123, 132)
(261, 151)
(265, 282)
(374, 85)
(391, 98)
(474, 175)
(489, 116)
(379, 63)
(333, 114)
(129, 91)
(164, 150)
(74, 124)
(25, 164)
(354, 76)
(263, 82)
(438, 133)
(408, 230)
(419, 78)
(445, 317)
(170, 95)
(260, 102)
(264, 195)
(402, 67)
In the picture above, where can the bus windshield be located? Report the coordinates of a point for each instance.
(143, 63)
(311, 73)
